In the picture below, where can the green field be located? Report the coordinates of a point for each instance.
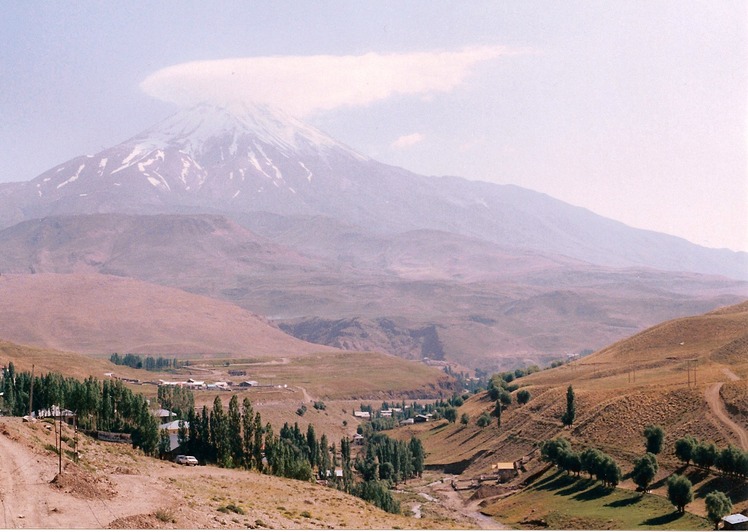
(561, 502)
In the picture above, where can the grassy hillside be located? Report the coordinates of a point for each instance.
(674, 375)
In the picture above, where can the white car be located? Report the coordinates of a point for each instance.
(184, 459)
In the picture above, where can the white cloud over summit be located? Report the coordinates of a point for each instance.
(407, 141)
(302, 85)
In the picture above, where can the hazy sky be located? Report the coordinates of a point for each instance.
(635, 110)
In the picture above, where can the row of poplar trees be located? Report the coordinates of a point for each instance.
(106, 405)
(237, 438)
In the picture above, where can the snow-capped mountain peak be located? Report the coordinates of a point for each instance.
(243, 154)
(195, 129)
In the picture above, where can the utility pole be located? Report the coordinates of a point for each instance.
(59, 448)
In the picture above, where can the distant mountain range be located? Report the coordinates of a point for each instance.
(254, 159)
(258, 208)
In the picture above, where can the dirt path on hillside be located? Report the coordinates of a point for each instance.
(717, 407)
(28, 499)
(730, 374)
(307, 398)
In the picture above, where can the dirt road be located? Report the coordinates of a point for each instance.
(716, 405)
(29, 500)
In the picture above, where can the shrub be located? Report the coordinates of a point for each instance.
(484, 420)
(523, 396)
(164, 515)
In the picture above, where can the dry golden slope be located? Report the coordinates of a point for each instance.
(104, 314)
(69, 364)
(115, 486)
(619, 391)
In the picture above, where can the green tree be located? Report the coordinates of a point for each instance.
(684, 448)
(571, 409)
(325, 463)
(164, 443)
(591, 460)
(418, 454)
(727, 459)
(378, 493)
(497, 412)
(718, 505)
(610, 472)
(570, 462)
(505, 398)
(483, 420)
(235, 444)
(679, 492)
(247, 432)
(552, 450)
(465, 419)
(654, 435)
(182, 434)
(450, 414)
(257, 445)
(312, 445)
(219, 434)
(645, 469)
(523, 397)
(705, 454)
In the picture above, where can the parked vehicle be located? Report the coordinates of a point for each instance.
(184, 459)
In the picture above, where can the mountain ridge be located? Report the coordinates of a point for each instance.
(316, 175)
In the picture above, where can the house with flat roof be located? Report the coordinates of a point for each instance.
(735, 522)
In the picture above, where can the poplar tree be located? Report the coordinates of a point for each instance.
(312, 445)
(325, 463)
(257, 447)
(418, 454)
(219, 433)
(571, 410)
(235, 447)
(247, 433)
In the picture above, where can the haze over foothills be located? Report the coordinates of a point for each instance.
(636, 111)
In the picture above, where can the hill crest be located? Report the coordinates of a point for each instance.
(101, 314)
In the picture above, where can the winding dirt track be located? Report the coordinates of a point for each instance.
(28, 500)
(716, 405)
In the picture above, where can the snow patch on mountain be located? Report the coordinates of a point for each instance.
(73, 177)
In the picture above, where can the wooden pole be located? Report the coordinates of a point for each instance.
(59, 467)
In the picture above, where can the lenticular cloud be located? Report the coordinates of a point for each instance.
(304, 84)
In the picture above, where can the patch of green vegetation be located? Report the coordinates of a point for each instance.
(231, 507)
(164, 515)
(569, 502)
(51, 448)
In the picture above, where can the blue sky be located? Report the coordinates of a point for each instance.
(635, 110)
